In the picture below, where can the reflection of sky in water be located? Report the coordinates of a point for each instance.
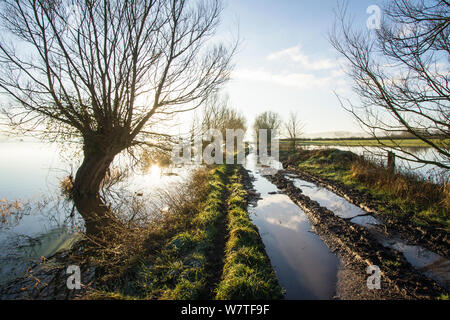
(433, 265)
(404, 165)
(18, 252)
(340, 206)
(366, 221)
(430, 263)
(30, 172)
(28, 169)
(304, 265)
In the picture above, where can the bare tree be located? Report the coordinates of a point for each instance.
(106, 73)
(217, 114)
(294, 128)
(401, 73)
(268, 120)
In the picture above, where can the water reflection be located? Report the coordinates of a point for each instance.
(47, 228)
(430, 263)
(32, 171)
(155, 172)
(378, 155)
(340, 206)
(305, 266)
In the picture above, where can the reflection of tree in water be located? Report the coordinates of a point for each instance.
(12, 212)
(60, 223)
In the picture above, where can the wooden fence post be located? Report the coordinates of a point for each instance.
(391, 161)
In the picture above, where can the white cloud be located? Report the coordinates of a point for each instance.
(295, 54)
(297, 80)
(292, 68)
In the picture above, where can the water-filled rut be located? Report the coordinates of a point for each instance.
(306, 268)
(424, 260)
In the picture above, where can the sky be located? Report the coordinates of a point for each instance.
(285, 61)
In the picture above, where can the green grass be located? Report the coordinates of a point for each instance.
(180, 273)
(175, 264)
(247, 272)
(412, 143)
(422, 201)
(178, 263)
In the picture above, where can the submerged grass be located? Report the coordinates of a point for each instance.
(247, 272)
(424, 202)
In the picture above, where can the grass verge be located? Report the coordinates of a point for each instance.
(247, 272)
(204, 247)
(168, 259)
(424, 202)
(180, 270)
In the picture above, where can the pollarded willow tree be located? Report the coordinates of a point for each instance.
(401, 73)
(107, 73)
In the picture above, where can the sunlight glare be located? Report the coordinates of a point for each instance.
(155, 172)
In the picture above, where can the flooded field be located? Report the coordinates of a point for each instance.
(30, 174)
(427, 171)
(306, 268)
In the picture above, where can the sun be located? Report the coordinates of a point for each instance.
(155, 172)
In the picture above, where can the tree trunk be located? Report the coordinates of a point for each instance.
(98, 217)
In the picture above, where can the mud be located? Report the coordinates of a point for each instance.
(432, 238)
(359, 249)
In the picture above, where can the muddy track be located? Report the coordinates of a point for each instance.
(432, 238)
(356, 243)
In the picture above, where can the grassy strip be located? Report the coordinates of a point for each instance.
(177, 259)
(180, 270)
(412, 143)
(403, 195)
(247, 272)
(171, 258)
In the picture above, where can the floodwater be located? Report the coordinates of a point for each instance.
(328, 199)
(426, 261)
(429, 263)
(378, 155)
(30, 173)
(305, 266)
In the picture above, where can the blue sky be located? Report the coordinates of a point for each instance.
(286, 63)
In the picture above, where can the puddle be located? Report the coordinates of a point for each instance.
(340, 206)
(366, 221)
(426, 261)
(429, 263)
(304, 265)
